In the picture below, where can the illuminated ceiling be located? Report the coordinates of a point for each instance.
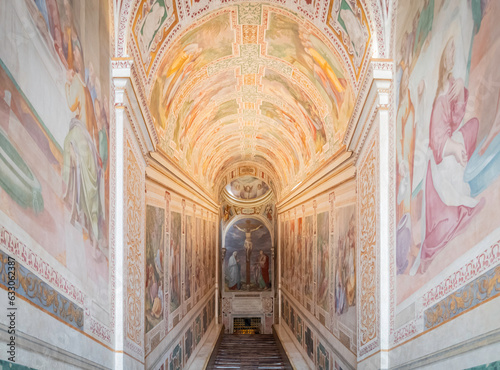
(272, 84)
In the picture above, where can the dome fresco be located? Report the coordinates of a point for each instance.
(247, 188)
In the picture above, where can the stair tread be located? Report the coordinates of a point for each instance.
(249, 351)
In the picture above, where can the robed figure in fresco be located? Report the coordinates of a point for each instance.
(448, 204)
(83, 173)
(234, 272)
(264, 269)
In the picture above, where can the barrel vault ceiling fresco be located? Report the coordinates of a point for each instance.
(273, 83)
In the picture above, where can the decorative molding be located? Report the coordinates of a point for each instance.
(37, 264)
(367, 221)
(36, 291)
(96, 328)
(488, 258)
(121, 64)
(376, 93)
(138, 87)
(448, 286)
(134, 231)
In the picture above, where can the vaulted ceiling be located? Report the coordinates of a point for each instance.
(269, 83)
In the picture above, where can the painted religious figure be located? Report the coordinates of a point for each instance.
(188, 257)
(234, 272)
(197, 256)
(247, 187)
(448, 205)
(344, 267)
(264, 282)
(351, 20)
(298, 278)
(323, 253)
(54, 158)
(308, 259)
(248, 262)
(448, 121)
(149, 27)
(155, 244)
(175, 262)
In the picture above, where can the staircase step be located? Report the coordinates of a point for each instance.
(244, 351)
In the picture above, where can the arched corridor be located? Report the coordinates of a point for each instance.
(312, 183)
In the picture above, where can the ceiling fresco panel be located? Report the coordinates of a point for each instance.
(153, 22)
(194, 50)
(349, 22)
(272, 82)
(293, 42)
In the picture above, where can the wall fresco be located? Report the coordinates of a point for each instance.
(248, 258)
(55, 177)
(188, 259)
(36, 291)
(175, 261)
(155, 284)
(308, 260)
(345, 266)
(321, 290)
(323, 258)
(446, 124)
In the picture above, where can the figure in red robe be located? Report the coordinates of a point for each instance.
(264, 268)
(449, 208)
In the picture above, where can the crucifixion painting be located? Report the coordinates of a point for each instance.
(251, 237)
(248, 229)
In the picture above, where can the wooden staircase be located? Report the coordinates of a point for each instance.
(256, 351)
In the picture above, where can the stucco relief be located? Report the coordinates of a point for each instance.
(367, 226)
(267, 305)
(134, 199)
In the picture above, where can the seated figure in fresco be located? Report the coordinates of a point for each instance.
(234, 272)
(448, 205)
(82, 170)
(156, 311)
(483, 167)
